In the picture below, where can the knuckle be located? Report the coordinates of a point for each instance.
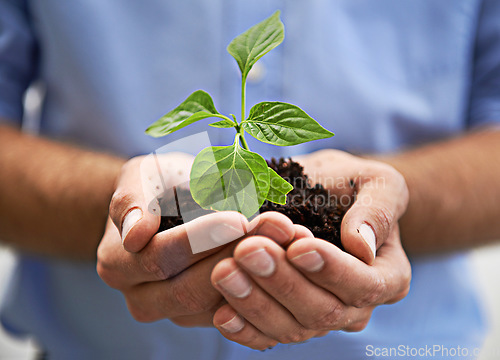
(120, 201)
(101, 259)
(140, 314)
(328, 320)
(151, 267)
(119, 198)
(296, 335)
(189, 302)
(139, 310)
(373, 295)
(357, 326)
(383, 218)
(286, 288)
(105, 270)
(103, 273)
(400, 296)
(405, 289)
(405, 285)
(407, 276)
(258, 311)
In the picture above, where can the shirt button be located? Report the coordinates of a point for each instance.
(257, 73)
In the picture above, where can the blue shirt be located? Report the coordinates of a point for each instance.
(383, 75)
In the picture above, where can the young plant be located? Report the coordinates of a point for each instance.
(233, 177)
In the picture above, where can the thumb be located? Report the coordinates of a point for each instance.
(129, 210)
(364, 229)
(370, 220)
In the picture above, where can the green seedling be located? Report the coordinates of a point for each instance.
(221, 175)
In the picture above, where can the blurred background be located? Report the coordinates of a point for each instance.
(485, 262)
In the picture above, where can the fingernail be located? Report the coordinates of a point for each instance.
(259, 262)
(310, 261)
(274, 232)
(368, 236)
(236, 284)
(132, 218)
(225, 233)
(234, 325)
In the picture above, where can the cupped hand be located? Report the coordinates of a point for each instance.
(379, 192)
(283, 295)
(158, 273)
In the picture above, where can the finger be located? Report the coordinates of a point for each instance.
(204, 319)
(266, 262)
(275, 226)
(189, 293)
(255, 305)
(168, 253)
(351, 280)
(212, 230)
(233, 327)
(381, 199)
(360, 320)
(129, 211)
(302, 232)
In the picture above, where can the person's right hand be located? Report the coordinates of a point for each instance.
(157, 273)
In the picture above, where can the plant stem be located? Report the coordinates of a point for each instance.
(243, 96)
(240, 130)
(243, 141)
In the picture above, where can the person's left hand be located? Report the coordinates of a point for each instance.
(290, 295)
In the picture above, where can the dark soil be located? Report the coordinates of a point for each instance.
(308, 205)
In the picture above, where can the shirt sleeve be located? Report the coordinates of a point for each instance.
(17, 59)
(485, 91)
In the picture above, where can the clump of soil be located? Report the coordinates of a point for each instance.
(309, 205)
(187, 204)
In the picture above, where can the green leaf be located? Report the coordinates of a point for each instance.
(229, 178)
(257, 41)
(278, 188)
(283, 124)
(224, 123)
(198, 106)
